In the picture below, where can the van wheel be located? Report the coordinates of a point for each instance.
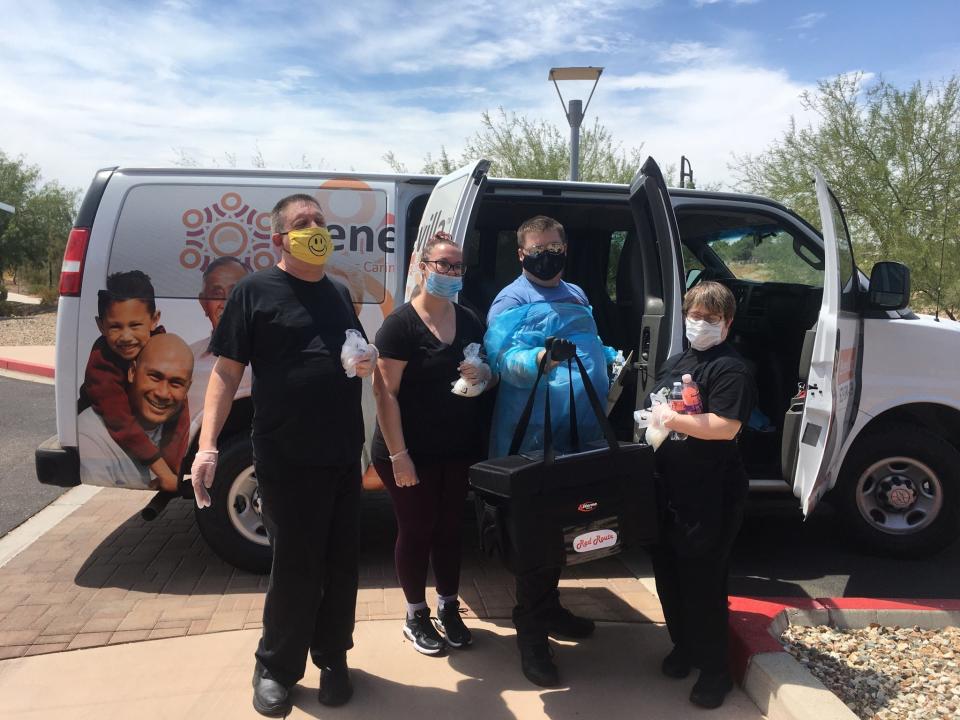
(232, 525)
(900, 491)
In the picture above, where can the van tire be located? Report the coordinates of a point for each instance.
(218, 523)
(897, 477)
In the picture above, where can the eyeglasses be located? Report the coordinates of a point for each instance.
(556, 248)
(445, 268)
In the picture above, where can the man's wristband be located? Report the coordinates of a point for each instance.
(393, 458)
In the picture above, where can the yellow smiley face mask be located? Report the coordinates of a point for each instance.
(311, 245)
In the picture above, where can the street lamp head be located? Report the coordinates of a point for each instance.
(575, 73)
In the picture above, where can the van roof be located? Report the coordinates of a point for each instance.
(559, 186)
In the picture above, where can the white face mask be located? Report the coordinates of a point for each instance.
(703, 335)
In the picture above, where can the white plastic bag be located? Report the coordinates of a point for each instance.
(356, 350)
(649, 420)
(472, 388)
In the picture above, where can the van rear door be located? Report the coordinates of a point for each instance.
(656, 258)
(450, 209)
(832, 385)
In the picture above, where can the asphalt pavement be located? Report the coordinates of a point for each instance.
(779, 554)
(27, 418)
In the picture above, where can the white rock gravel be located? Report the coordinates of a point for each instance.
(884, 673)
(38, 329)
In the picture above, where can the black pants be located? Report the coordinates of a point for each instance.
(311, 516)
(429, 526)
(693, 594)
(537, 596)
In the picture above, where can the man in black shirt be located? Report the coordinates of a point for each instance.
(702, 487)
(289, 322)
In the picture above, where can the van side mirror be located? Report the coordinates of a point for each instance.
(889, 286)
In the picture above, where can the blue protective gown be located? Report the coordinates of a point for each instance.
(513, 339)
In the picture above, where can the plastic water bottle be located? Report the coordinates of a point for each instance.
(692, 404)
(676, 404)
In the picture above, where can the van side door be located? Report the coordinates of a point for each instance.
(657, 257)
(450, 208)
(833, 383)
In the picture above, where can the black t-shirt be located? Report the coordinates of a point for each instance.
(437, 425)
(700, 479)
(305, 409)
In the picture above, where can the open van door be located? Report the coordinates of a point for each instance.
(833, 381)
(656, 259)
(450, 208)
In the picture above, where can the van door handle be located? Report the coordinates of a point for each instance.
(645, 344)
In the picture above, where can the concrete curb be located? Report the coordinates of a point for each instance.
(24, 535)
(24, 366)
(781, 687)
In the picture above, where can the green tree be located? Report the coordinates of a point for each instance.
(892, 156)
(523, 148)
(34, 237)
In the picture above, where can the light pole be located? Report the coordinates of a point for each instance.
(575, 110)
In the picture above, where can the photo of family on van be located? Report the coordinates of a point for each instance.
(133, 414)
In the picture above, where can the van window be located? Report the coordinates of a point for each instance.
(174, 232)
(617, 239)
(748, 246)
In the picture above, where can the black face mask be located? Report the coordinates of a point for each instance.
(544, 266)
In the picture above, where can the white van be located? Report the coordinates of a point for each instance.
(857, 394)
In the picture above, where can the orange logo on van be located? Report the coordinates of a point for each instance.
(229, 227)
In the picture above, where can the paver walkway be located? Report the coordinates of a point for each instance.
(104, 576)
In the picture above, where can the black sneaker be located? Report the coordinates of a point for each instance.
(710, 689)
(676, 665)
(563, 622)
(421, 632)
(451, 625)
(536, 661)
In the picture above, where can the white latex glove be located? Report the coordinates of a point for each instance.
(202, 473)
(364, 368)
(661, 415)
(404, 472)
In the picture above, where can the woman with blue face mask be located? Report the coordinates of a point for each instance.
(427, 437)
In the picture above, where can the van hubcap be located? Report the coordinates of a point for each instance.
(244, 507)
(899, 495)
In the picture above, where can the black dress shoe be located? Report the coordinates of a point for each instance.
(675, 665)
(563, 622)
(536, 661)
(710, 689)
(335, 685)
(270, 697)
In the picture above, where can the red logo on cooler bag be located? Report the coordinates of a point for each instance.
(595, 540)
(587, 507)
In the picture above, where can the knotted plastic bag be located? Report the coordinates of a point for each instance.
(650, 420)
(472, 388)
(356, 350)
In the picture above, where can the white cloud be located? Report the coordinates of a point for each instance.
(702, 3)
(806, 22)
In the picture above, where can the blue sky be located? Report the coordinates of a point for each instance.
(85, 85)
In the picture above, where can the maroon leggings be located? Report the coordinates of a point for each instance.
(429, 521)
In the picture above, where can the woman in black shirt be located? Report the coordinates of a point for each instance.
(427, 437)
(702, 487)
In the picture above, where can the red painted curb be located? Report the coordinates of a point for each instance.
(750, 619)
(24, 366)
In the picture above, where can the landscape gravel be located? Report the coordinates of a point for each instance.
(40, 329)
(884, 673)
